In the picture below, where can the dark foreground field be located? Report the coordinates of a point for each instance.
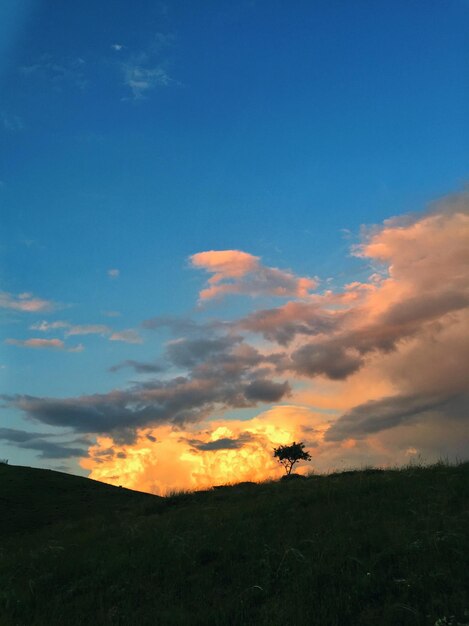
(368, 547)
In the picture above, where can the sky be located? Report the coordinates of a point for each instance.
(227, 226)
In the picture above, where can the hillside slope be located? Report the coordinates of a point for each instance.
(369, 547)
(31, 498)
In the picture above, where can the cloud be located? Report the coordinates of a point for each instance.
(331, 359)
(189, 352)
(141, 80)
(146, 70)
(11, 123)
(228, 377)
(24, 302)
(284, 323)
(87, 329)
(262, 390)
(70, 330)
(113, 273)
(57, 72)
(39, 344)
(45, 326)
(378, 415)
(139, 367)
(127, 336)
(111, 313)
(78, 348)
(185, 326)
(237, 272)
(423, 289)
(178, 401)
(223, 443)
(40, 443)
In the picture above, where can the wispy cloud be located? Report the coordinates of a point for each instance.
(87, 329)
(57, 72)
(128, 336)
(145, 70)
(45, 326)
(111, 313)
(11, 123)
(39, 344)
(71, 329)
(25, 302)
(113, 273)
(141, 80)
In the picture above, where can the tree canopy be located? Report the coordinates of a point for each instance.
(288, 455)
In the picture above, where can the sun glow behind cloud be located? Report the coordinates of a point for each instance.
(217, 452)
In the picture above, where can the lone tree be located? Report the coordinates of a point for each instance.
(289, 455)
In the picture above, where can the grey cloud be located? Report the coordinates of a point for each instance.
(50, 450)
(343, 354)
(331, 360)
(108, 452)
(180, 400)
(40, 443)
(138, 366)
(96, 413)
(189, 352)
(263, 390)
(18, 436)
(389, 412)
(184, 325)
(224, 443)
(222, 374)
(417, 310)
(283, 324)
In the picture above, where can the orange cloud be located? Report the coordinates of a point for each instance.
(237, 272)
(58, 344)
(225, 263)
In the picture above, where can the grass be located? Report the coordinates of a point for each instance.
(366, 547)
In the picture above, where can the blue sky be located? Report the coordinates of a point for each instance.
(134, 135)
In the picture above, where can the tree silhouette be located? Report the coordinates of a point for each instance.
(291, 454)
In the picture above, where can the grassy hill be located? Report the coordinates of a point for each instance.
(368, 547)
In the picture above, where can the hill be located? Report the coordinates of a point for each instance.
(368, 547)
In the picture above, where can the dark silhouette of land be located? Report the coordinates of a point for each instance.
(364, 547)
